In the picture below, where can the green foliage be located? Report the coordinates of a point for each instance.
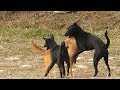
(26, 32)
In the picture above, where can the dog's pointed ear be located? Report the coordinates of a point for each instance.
(49, 35)
(52, 36)
(75, 24)
(44, 38)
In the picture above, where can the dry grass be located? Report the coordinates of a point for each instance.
(17, 29)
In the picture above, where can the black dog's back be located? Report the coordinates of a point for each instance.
(86, 41)
(93, 42)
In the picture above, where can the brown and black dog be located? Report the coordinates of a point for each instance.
(86, 41)
(46, 53)
(54, 54)
(59, 55)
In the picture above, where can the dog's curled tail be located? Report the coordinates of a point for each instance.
(34, 47)
(108, 40)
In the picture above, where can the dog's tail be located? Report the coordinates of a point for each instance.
(34, 47)
(108, 40)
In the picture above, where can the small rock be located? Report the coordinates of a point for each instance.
(26, 65)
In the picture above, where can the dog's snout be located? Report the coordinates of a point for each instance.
(45, 45)
(66, 34)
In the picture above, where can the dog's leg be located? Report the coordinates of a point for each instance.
(95, 67)
(47, 61)
(71, 65)
(61, 67)
(60, 64)
(97, 57)
(46, 64)
(49, 68)
(60, 71)
(106, 62)
(68, 66)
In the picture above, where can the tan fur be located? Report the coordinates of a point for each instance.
(46, 53)
(47, 58)
(34, 47)
(72, 50)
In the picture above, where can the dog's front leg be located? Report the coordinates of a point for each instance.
(49, 68)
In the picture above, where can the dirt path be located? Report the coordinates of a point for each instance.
(32, 67)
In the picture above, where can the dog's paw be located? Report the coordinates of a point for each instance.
(109, 75)
(44, 77)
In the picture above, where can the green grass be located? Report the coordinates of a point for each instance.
(26, 33)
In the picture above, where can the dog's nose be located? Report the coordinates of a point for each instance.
(45, 45)
(65, 34)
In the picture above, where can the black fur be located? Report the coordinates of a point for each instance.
(86, 41)
(59, 55)
(64, 56)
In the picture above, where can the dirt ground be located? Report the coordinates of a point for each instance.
(22, 66)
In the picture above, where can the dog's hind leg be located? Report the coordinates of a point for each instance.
(71, 65)
(68, 66)
(97, 57)
(106, 62)
(61, 68)
(49, 68)
(60, 71)
(60, 64)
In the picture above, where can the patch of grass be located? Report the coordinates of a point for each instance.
(36, 32)
(26, 32)
(57, 24)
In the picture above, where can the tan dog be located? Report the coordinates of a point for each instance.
(72, 51)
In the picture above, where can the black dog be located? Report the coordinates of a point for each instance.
(59, 54)
(86, 41)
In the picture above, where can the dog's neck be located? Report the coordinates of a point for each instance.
(52, 44)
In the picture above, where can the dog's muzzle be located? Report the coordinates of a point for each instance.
(66, 34)
(45, 45)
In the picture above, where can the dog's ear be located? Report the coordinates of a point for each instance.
(44, 38)
(52, 36)
(75, 24)
(77, 27)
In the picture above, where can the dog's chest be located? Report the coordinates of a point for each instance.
(47, 54)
